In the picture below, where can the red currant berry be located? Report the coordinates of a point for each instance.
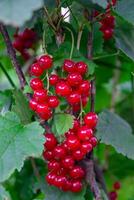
(59, 152)
(53, 166)
(53, 101)
(43, 111)
(76, 107)
(68, 162)
(40, 95)
(84, 87)
(36, 84)
(50, 178)
(91, 119)
(74, 98)
(76, 186)
(45, 61)
(78, 155)
(76, 125)
(51, 141)
(74, 79)
(81, 67)
(62, 89)
(77, 172)
(108, 33)
(18, 44)
(48, 155)
(86, 147)
(33, 104)
(69, 133)
(85, 133)
(117, 185)
(53, 79)
(93, 141)
(36, 70)
(108, 21)
(69, 66)
(73, 143)
(113, 195)
(67, 185)
(60, 181)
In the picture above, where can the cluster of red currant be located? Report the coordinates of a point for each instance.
(113, 195)
(23, 41)
(64, 170)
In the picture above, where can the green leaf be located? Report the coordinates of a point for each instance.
(97, 40)
(17, 142)
(102, 3)
(5, 97)
(21, 107)
(52, 193)
(115, 131)
(4, 195)
(62, 123)
(126, 10)
(124, 35)
(17, 12)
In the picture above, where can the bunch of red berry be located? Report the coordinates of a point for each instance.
(64, 170)
(113, 195)
(24, 41)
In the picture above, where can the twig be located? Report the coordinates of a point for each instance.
(12, 55)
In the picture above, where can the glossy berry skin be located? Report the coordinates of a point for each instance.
(84, 87)
(76, 186)
(46, 115)
(45, 62)
(36, 70)
(74, 98)
(53, 101)
(77, 172)
(108, 33)
(69, 66)
(50, 178)
(59, 152)
(53, 79)
(91, 119)
(36, 84)
(60, 181)
(109, 19)
(62, 89)
(43, 111)
(78, 155)
(81, 67)
(93, 141)
(51, 141)
(67, 185)
(68, 162)
(76, 125)
(74, 79)
(86, 147)
(73, 143)
(40, 95)
(85, 133)
(117, 185)
(53, 166)
(48, 155)
(33, 104)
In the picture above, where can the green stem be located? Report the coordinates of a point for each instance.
(79, 38)
(44, 42)
(72, 48)
(7, 75)
(105, 56)
(47, 76)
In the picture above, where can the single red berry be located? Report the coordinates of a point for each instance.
(28, 34)
(67, 185)
(36, 70)
(18, 44)
(78, 155)
(40, 95)
(68, 162)
(117, 185)
(85, 133)
(113, 195)
(53, 101)
(86, 147)
(84, 87)
(69, 133)
(93, 141)
(51, 141)
(62, 171)
(48, 155)
(36, 84)
(77, 172)
(73, 143)
(81, 67)
(50, 178)
(91, 119)
(60, 181)
(76, 186)
(74, 79)
(69, 66)
(53, 79)
(84, 101)
(108, 21)
(59, 152)
(74, 98)
(108, 33)
(53, 166)
(62, 89)
(45, 61)
(44, 111)
(33, 104)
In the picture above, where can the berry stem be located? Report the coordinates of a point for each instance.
(79, 38)
(72, 47)
(47, 76)
(44, 41)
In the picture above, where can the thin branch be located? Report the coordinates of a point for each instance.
(12, 55)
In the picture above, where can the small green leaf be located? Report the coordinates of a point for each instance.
(115, 131)
(62, 123)
(17, 142)
(5, 97)
(21, 107)
(27, 89)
